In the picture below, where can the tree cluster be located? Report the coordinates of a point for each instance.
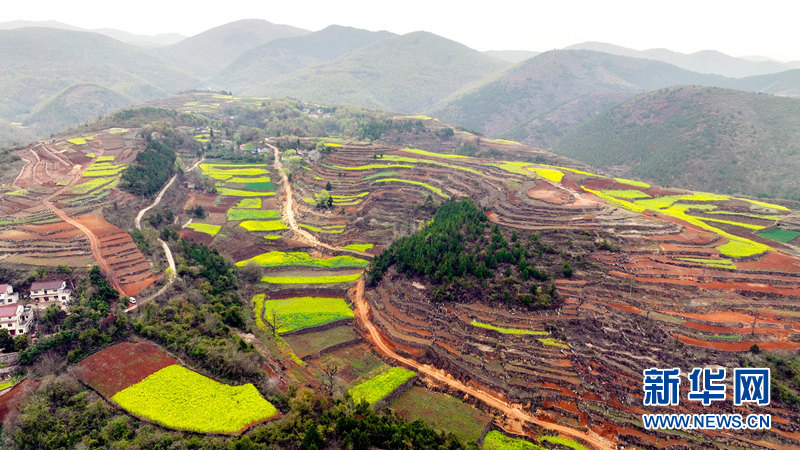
(151, 169)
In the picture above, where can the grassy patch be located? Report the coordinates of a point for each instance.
(286, 259)
(206, 228)
(179, 398)
(441, 412)
(712, 262)
(508, 330)
(552, 343)
(249, 203)
(250, 214)
(240, 193)
(436, 190)
(309, 343)
(359, 247)
(779, 235)
(328, 279)
(259, 186)
(297, 313)
(381, 385)
(384, 174)
(263, 225)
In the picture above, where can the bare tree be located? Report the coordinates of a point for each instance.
(329, 371)
(273, 321)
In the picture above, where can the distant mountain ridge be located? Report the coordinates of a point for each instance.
(142, 40)
(287, 55)
(404, 73)
(706, 61)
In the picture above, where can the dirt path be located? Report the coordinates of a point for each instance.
(511, 411)
(167, 251)
(288, 212)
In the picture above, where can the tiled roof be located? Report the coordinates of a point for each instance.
(55, 284)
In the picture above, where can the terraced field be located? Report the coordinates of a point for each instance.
(77, 178)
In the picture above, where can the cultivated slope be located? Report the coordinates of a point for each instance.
(406, 73)
(205, 54)
(286, 55)
(703, 138)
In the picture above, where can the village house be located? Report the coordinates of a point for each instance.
(7, 294)
(15, 318)
(50, 291)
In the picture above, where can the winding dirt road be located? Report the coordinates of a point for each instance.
(362, 315)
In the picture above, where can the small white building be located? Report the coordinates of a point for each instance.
(50, 291)
(15, 318)
(7, 294)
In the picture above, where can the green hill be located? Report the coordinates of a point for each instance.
(703, 138)
(543, 84)
(75, 104)
(405, 73)
(286, 55)
(206, 54)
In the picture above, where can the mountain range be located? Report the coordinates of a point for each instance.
(56, 76)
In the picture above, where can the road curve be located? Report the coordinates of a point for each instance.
(288, 212)
(362, 315)
(513, 412)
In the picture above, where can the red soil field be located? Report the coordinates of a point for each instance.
(738, 346)
(12, 398)
(119, 366)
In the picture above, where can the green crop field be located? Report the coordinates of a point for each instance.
(495, 440)
(359, 247)
(779, 235)
(206, 228)
(441, 412)
(179, 398)
(263, 225)
(329, 279)
(221, 171)
(552, 342)
(384, 174)
(251, 214)
(427, 153)
(381, 385)
(249, 203)
(333, 229)
(285, 259)
(297, 313)
(436, 190)
(259, 186)
(711, 262)
(640, 184)
(248, 180)
(103, 169)
(309, 343)
(240, 193)
(508, 330)
(95, 183)
(630, 194)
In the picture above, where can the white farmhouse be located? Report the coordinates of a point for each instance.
(50, 291)
(7, 294)
(15, 318)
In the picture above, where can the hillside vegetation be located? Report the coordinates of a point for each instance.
(405, 74)
(542, 85)
(75, 104)
(711, 139)
(287, 55)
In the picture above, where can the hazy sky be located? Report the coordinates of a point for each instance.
(739, 28)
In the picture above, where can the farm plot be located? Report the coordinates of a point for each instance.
(225, 171)
(287, 259)
(206, 228)
(181, 399)
(307, 344)
(297, 313)
(103, 169)
(323, 279)
(148, 383)
(441, 412)
(235, 214)
(380, 386)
